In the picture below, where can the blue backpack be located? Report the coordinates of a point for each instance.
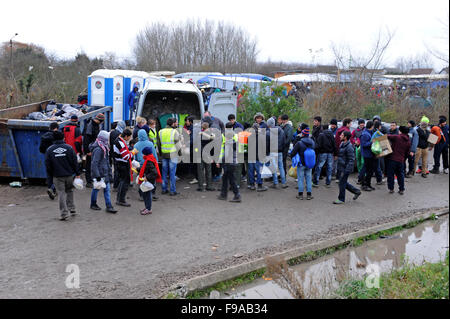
(310, 158)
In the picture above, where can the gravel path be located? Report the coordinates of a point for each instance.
(131, 256)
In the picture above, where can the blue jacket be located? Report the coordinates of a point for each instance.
(366, 143)
(143, 143)
(238, 125)
(131, 98)
(414, 138)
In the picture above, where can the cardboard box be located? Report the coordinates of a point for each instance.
(385, 146)
(432, 139)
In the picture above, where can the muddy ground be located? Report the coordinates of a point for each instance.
(132, 256)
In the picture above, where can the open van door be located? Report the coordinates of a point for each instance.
(222, 104)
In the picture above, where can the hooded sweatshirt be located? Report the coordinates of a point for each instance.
(100, 166)
(143, 143)
(401, 146)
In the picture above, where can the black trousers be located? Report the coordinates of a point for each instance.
(395, 169)
(371, 165)
(124, 181)
(88, 169)
(345, 185)
(285, 154)
(228, 176)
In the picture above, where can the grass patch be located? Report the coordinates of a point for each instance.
(429, 281)
(225, 285)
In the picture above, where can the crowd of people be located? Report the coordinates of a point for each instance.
(235, 153)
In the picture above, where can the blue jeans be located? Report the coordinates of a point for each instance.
(304, 173)
(252, 167)
(169, 166)
(276, 162)
(328, 158)
(106, 193)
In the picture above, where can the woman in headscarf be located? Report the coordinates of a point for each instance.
(101, 168)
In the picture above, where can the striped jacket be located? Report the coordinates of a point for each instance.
(121, 152)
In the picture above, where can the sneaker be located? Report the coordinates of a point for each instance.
(165, 192)
(434, 171)
(51, 194)
(146, 212)
(445, 170)
(309, 197)
(299, 196)
(372, 188)
(337, 181)
(427, 172)
(63, 217)
(380, 183)
(221, 197)
(201, 189)
(355, 197)
(177, 178)
(155, 198)
(95, 207)
(236, 199)
(274, 186)
(327, 185)
(73, 213)
(408, 175)
(284, 186)
(401, 192)
(424, 175)
(111, 210)
(261, 188)
(124, 204)
(174, 193)
(315, 185)
(419, 171)
(252, 187)
(391, 191)
(338, 202)
(194, 181)
(210, 189)
(366, 189)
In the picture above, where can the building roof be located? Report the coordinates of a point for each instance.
(420, 71)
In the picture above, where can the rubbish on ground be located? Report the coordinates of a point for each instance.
(12, 205)
(15, 184)
(238, 255)
(214, 294)
(415, 241)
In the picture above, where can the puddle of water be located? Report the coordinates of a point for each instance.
(426, 242)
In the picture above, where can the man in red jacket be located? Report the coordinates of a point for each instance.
(345, 127)
(401, 146)
(72, 135)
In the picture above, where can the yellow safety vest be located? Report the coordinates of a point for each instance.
(152, 136)
(222, 150)
(166, 136)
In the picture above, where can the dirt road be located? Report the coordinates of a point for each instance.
(132, 256)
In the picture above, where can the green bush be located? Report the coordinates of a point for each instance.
(372, 109)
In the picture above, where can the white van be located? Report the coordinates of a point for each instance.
(158, 98)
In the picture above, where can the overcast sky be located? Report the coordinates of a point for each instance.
(285, 30)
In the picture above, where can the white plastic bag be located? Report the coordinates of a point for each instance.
(146, 187)
(135, 164)
(99, 184)
(78, 183)
(265, 172)
(79, 159)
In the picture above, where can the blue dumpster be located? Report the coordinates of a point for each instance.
(20, 139)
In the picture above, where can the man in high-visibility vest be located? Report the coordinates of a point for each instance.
(152, 135)
(169, 137)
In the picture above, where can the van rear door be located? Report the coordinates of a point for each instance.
(222, 104)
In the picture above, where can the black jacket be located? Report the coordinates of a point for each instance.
(316, 131)
(90, 134)
(325, 143)
(46, 141)
(288, 132)
(113, 135)
(423, 138)
(346, 157)
(61, 160)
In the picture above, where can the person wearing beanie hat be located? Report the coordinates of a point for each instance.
(439, 146)
(74, 118)
(414, 139)
(90, 133)
(149, 173)
(333, 126)
(101, 170)
(303, 173)
(425, 119)
(422, 148)
(61, 166)
(259, 118)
